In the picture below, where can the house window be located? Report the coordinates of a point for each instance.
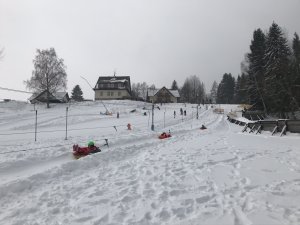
(119, 93)
(120, 85)
(101, 85)
(101, 93)
(108, 93)
(111, 94)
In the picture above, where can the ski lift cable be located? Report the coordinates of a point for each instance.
(9, 89)
(24, 150)
(93, 89)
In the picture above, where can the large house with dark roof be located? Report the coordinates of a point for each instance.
(163, 95)
(112, 87)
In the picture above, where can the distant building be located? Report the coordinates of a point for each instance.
(58, 97)
(163, 95)
(113, 87)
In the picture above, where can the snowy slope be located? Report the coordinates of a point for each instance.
(213, 176)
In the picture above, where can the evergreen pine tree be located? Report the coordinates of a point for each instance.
(174, 85)
(225, 94)
(237, 97)
(77, 93)
(256, 70)
(241, 90)
(295, 73)
(276, 68)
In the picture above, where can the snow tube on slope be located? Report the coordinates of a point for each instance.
(79, 152)
(164, 135)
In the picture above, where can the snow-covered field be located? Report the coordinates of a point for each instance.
(214, 176)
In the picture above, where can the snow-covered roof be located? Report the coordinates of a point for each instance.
(175, 93)
(60, 95)
(153, 92)
(55, 96)
(113, 79)
(33, 96)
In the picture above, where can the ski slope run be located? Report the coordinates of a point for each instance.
(213, 176)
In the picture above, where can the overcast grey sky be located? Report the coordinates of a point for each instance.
(155, 41)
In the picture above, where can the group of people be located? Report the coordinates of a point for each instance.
(182, 112)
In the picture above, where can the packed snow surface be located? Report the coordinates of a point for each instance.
(214, 176)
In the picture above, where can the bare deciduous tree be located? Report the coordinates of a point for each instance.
(49, 73)
(193, 90)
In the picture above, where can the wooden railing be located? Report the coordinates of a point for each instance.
(274, 126)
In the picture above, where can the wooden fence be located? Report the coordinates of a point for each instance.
(274, 126)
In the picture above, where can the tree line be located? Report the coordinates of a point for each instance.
(270, 74)
(192, 91)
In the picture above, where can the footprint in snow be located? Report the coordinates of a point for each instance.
(164, 215)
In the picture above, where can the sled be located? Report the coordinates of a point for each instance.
(203, 127)
(79, 152)
(107, 113)
(164, 135)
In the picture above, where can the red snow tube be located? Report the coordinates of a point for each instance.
(164, 135)
(83, 151)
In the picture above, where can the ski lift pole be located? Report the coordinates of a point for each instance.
(66, 138)
(35, 130)
(152, 126)
(148, 117)
(164, 119)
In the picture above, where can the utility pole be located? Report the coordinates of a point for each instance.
(152, 126)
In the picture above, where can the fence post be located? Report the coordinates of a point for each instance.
(66, 138)
(35, 128)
